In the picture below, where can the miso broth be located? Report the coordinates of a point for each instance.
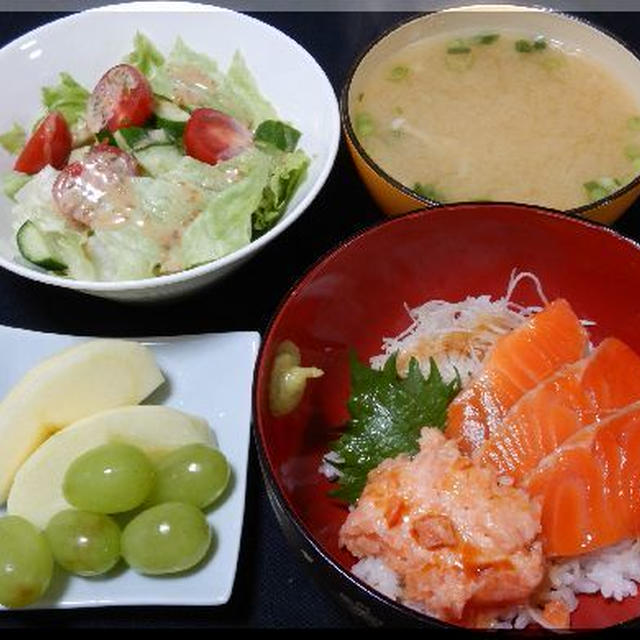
(503, 116)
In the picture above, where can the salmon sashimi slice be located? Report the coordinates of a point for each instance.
(589, 488)
(518, 362)
(576, 396)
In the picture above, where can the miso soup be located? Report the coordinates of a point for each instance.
(503, 116)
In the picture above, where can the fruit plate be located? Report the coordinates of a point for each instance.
(209, 375)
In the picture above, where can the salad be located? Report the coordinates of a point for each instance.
(168, 163)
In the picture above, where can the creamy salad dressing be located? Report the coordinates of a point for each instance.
(191, 85)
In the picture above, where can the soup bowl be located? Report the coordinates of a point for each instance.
(356, 296)
(576, 35)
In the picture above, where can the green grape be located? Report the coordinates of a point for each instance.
(195, 474)
(167, 538)
(87, 544)
(26, 563)
(112, 478)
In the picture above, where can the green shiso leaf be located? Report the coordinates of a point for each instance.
(387, 414)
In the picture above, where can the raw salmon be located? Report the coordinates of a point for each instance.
(518, 362)
(589, 488)
(458, 541)
(576, 396)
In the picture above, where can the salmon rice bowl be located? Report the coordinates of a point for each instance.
(491, 463)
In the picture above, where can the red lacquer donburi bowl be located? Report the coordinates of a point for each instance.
(357, 295)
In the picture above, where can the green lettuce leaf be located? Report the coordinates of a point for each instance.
(242, 84)
(220, 176)
(387, 414)
(70, 248)
(14, 139)
(286, 177)
(68, 97)
(144, 56)
(225, 224)
(138, 248)
(13, 181)
(34, 202)
(125, 253)
(192, 79)
(188, 78)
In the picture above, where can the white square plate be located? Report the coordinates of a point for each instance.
(210, 375)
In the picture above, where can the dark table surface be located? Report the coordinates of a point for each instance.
(272, 588)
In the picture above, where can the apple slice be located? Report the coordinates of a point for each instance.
(36, 493)
(75, 383)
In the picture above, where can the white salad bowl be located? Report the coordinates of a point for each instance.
(87, 44)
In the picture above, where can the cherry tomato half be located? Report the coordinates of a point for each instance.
(211, 136)
(122, 98)
(50, 144)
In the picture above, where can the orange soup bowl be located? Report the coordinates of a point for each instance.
(615, 57)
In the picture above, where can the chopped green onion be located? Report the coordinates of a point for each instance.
(540, 43)
(460, 62)
(398, 73)
(597, 194)
(458, 47)
(428, 191)
(398, 111)
(633, 123)
(611, 184)
(485, 38)
(360, 96)
(363, 124)
(636, 164)
(523, 46)
(632, 151)
(601, 188)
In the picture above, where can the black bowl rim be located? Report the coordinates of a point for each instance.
(345, 116)
(269, 473)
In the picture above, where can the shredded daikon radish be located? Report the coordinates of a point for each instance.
(458, 335)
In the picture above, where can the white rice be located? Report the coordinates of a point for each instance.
(327, 466)
(378, 575)
(613, 572)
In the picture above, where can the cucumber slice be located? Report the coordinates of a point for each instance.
(34, 247)
(169, 111)
(137, 138)
(158, 160)
(170, 117)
